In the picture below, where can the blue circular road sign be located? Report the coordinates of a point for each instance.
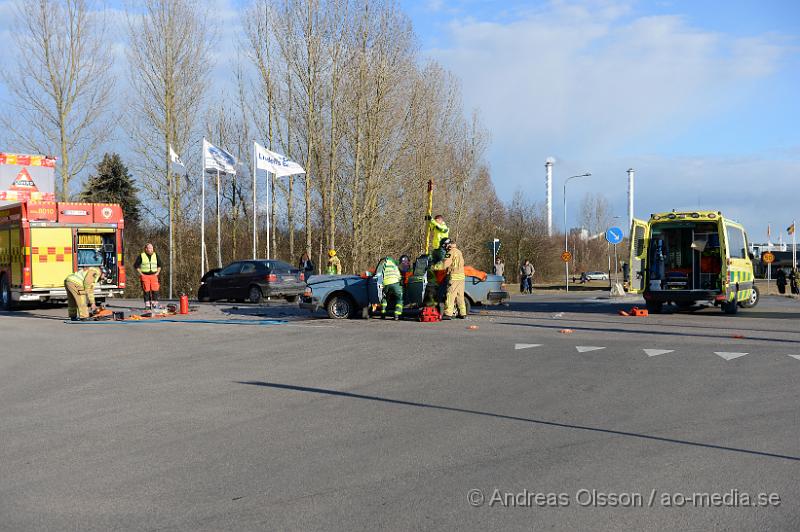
(614, 235)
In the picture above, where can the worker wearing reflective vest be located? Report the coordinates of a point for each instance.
(453, 264)
(148, 267)
(392, 287)
(80, 288)
(440, 231)
(334, 264)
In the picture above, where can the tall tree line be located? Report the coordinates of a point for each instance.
(336, 85)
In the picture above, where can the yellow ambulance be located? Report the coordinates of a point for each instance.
(686, 258)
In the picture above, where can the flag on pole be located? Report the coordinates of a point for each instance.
(174, 158)
(790, 229)
(218, 159)
(278, 164)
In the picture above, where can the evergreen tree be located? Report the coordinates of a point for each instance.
(112, 183)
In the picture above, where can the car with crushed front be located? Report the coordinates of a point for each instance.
(349, 296)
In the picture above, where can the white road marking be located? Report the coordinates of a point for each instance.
(796, 357)
(729, 356)
(656, 352)
(587, 348)
(526, 346)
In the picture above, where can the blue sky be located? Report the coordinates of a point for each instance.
(700, 97)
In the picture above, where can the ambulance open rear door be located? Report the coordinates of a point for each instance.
(638, 258)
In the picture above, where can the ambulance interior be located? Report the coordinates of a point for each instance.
(98, 247)
(684, 256)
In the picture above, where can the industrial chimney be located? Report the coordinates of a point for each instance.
(548, 166)
(630, 197)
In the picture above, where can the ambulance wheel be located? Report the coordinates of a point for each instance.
(754, 297)
(6, 302)
(730, 307)
(655, 307)
(340, 307)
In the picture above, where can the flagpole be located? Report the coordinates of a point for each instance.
(269, 215)
(255, 216)
(171, 191)
(219, 227)
(794, 244)
(203, 212)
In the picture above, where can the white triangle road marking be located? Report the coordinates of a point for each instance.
(587, 348)
(729, 356)
(656, 352)
(796, 357)
(526, 346)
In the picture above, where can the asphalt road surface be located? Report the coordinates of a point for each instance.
(670, 422)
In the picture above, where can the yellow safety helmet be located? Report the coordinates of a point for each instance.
(331, 252)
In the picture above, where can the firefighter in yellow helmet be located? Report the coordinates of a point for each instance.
(453, 263)
(80, 288)
(392, 286)
(334, 264)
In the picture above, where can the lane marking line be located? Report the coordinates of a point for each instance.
(656, 352)
(728, 355)
(796, 357)
(587, 348)
(525, 346)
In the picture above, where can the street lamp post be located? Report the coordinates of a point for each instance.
(566, 230)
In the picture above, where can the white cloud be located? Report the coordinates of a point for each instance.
(585, 81)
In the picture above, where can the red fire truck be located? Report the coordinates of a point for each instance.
(42, 242)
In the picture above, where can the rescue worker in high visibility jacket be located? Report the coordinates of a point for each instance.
(439, 231)
(80, 289)
(453, 264)
(148, 266)
(392, 287)
(334, 264)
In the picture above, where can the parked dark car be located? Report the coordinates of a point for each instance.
(252, 280)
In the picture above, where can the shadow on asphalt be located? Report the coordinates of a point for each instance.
(337, 393)
(22, 313)
(647, 331)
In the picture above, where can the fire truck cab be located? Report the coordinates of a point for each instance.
(690, 257)
(42, 242)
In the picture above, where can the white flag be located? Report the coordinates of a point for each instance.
(174, 157)
(218, 159)
(278, 164)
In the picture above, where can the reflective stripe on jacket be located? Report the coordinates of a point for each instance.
(79, 279)
(149, 263)
(391, 273)
(440, 231)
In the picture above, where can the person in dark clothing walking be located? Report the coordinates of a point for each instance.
(794, 278)
(307, 266)
(780, 280)
(526, 272)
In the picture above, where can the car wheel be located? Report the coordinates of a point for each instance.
(730, 307)
(291, 299)
(655, 307)
(468, 304)
(755, 295)
(255, 295)
(202, 295)
(340, 307)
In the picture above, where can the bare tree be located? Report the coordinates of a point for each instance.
(60, 85)
(169, 57)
